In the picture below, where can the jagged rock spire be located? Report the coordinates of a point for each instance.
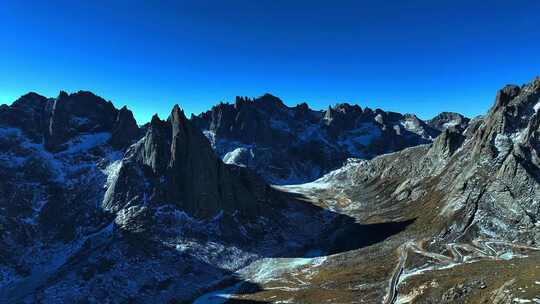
(125, 129)
(185, 171)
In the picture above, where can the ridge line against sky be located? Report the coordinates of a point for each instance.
(417, 57)
(164, 115)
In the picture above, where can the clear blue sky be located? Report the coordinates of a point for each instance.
(407, 56)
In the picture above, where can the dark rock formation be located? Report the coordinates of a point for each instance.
(486, 180)
(183, 169)
(91, 211)
(475, 194)
(53, 122)
(449, 119)
(125, 129)
(513, 111)
(81, 112)
(27, 113)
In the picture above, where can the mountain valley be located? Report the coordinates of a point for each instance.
(258, 202)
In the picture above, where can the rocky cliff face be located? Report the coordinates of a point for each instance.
(291, 145)
(179, 166)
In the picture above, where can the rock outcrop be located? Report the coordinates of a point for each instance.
(446, 144)
(474, 196)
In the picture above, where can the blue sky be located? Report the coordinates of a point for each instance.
(408, 56)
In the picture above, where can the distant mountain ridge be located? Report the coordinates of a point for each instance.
(297, 144)
(283, 144)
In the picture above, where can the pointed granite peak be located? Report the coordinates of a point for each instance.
(63, 94)
(181, 131)
(155, 120)
(177, 113)
(125, 129)
(505, 95)
(240, 101)
(184, 171)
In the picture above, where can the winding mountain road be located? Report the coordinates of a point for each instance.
(479, 247)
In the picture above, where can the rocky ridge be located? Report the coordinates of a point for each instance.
(289, 145)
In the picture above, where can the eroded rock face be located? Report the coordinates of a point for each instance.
(166, 217)
(474, 194)
(53, 150)
(72, 114)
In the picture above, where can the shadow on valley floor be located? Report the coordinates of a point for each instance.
(351, 236)
(343, 234)
(236, 286)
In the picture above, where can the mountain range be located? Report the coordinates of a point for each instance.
(289, 145)
(258, 202)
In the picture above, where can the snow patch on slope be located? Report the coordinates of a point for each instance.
(86, 142)
(336, 178)
(240, 156)
(355, 140)
(268, 269)
(451, 123)
(537, 107)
